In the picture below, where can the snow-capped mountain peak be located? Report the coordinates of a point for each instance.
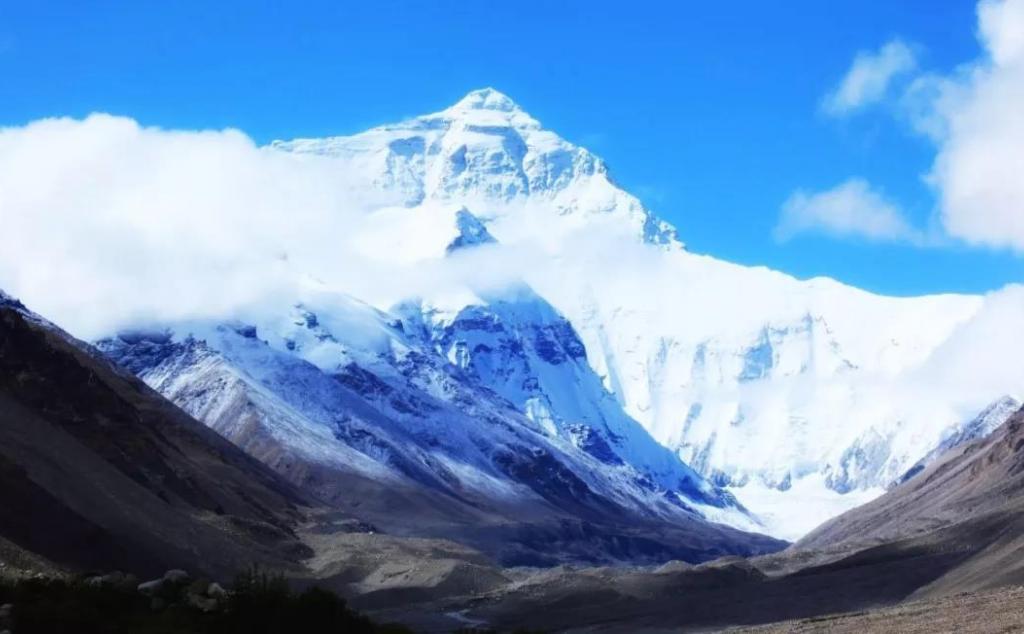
(487, 154)
(486, 99)
(752, 377)
(775, 387)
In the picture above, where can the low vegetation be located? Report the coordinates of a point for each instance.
(256, 603)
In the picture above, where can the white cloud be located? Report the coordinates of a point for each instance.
(104, 224)
(975, 117)
(1001, 26)
(869, 78)
(851, 209)
(979, 359)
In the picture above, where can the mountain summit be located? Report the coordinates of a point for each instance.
(485, 99)
(489, 154)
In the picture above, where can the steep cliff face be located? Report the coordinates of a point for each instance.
(517, 345)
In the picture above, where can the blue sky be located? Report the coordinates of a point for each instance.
(710, 112)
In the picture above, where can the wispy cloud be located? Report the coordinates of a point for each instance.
(869, 77)
(852, 209)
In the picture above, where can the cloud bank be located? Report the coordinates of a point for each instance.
(105, 224)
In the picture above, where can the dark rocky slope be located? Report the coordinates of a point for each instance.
(97, 470)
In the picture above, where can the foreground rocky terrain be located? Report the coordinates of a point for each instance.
(956, 527)
(175, 603)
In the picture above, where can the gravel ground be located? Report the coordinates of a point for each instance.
(978, 613)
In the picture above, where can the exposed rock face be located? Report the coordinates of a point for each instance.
(471, 232)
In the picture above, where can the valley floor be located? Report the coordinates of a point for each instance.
(977, 613)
